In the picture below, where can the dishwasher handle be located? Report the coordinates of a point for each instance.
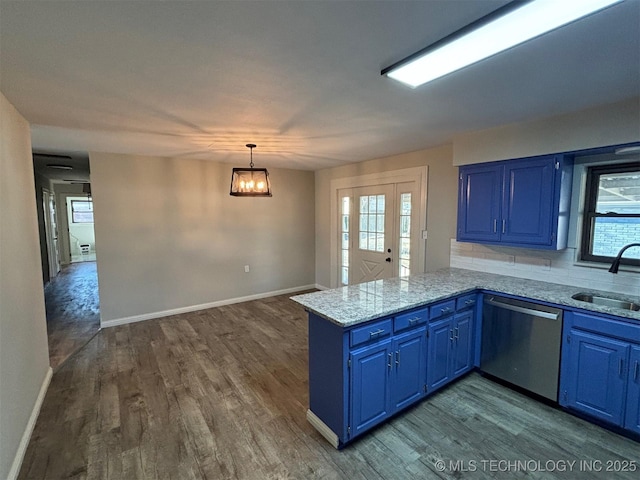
(527, 311)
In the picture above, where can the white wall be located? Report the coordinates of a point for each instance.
(169, 236)
(24, 355)
(441, 203)
(612, 124)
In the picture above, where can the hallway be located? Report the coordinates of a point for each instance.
(73, 310)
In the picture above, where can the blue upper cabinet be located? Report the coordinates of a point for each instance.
(479, 203)
(520, 203)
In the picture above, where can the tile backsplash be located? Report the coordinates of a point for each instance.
(548, 266)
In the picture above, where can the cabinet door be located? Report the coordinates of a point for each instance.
(597, 376)
(462, 355)
(479, 203)
(632, 416)
(439, 353)
(369, 383)
(409, 368)
(528, 201)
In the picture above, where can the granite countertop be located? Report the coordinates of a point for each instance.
(347, 306)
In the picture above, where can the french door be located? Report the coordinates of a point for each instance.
(376, 238)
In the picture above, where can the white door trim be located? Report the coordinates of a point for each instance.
(415, 174)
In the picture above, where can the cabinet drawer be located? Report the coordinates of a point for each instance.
(442, 309)
(370, 332)
(411, 319)
(613, 328)
(467, 301)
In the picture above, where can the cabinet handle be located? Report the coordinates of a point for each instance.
(469, 302)
(445, 310)
(413, 321)
(455, 335)
(389, 359)
(636, 368)
(451, 335)
(620, 367)
(504, 225)
(397, 357)
(377, 333)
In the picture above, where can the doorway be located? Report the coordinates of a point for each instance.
(71, 289)
(51, 231)
(380, 226)
(81, 240)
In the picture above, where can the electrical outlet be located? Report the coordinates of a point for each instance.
(246, 269)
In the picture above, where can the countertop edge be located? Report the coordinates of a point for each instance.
(563, 299)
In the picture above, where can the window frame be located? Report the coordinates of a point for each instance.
(589, 213)
(73, 211)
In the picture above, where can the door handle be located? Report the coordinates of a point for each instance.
(389, 358)
(397, 358)
(377, 333)
(388, 259)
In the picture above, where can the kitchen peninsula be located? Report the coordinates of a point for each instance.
(378, 347)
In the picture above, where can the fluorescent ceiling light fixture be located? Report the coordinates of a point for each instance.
(511, 25)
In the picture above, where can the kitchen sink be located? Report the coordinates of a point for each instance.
(606, 301)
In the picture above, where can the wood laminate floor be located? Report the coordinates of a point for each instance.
(73, 310)
(222, 394)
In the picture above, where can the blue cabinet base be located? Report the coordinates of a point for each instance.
(361, 376)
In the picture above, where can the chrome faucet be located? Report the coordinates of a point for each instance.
(616, 263)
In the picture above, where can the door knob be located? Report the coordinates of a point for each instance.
(388, 259)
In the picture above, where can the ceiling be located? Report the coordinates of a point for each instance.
(301, 79)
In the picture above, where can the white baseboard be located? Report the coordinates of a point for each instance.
(26, 436)
(204, 306)
(323, 429)
(321, 287)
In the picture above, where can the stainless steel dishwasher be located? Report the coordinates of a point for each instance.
(521, 344)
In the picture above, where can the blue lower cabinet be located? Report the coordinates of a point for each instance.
(360, 376)
(408, 369)
(385, 378)
(462, 356)
(597, 376)
(632, 416)
(440, 341)
(369, 385)
(450, 349)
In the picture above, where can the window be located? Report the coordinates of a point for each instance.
(611, 213)
(372, 223)
(344, 240)
(405, 234)
(81, 211)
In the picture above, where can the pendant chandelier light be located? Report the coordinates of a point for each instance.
(250, 182)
